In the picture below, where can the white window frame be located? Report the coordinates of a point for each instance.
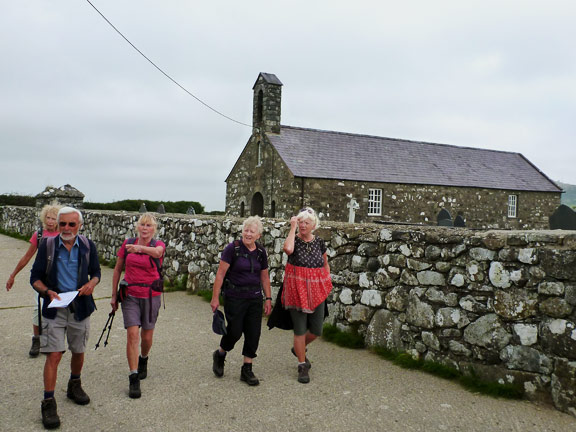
(374, 202)
(512, 206)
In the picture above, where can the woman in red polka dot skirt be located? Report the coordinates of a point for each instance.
(307, 284)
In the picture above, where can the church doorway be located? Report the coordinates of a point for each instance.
(257, 205)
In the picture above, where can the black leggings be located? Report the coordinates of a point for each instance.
(242, 316)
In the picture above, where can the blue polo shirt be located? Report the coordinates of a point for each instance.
(67, 266)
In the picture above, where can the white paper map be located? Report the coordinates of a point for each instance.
(65, 299)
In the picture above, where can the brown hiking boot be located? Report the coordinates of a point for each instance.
(303, 376)
(76, 392)
(248, 376)
(50, 418)
(35, 348)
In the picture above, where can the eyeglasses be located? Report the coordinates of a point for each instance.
(70, 224)
(307, 210)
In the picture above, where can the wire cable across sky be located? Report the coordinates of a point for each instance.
(164, 73)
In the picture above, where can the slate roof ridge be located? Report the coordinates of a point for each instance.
(402, 140)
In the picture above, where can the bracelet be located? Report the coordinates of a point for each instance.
(268, 298)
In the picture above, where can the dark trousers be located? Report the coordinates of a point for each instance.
(242, 316)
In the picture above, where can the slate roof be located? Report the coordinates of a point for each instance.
(269, 78)
(335, 155)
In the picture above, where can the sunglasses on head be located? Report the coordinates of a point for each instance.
(307, 210)
(70, 224)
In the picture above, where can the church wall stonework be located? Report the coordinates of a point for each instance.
(401, 203)
(499, 304)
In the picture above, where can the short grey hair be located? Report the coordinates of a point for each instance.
(68, 210)
(253, 220)
(309, 213)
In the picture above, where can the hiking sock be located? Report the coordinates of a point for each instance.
(48, 394)
(134, 371)
(72, 376)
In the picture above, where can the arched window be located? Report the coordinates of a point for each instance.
(257, 205)
(242, 209)
(273, 209)
(259, 154)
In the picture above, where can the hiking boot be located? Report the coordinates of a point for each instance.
(247, 375)
(134, 391)
(218, 363)
(76, 393)
(50, 418)
(142, 367)
(35, 348)
(303, 376)
(306, 358)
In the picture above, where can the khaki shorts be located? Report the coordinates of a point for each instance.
(54, 332)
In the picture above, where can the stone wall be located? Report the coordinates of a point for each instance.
(500, 303)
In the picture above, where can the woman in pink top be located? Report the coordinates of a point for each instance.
(141, 258)
(49, 229)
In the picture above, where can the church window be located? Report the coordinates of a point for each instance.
(374, 202)
(512, 205)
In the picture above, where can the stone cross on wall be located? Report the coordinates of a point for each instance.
(353, 206)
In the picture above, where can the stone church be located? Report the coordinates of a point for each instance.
(284, 168)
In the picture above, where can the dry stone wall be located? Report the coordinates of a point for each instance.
(500, 304)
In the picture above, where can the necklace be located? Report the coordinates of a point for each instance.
(307, 244)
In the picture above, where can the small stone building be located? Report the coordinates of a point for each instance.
(284, 168)
(64, 195)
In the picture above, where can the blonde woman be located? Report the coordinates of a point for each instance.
(49, 229)
(141, 258)
(306, 285)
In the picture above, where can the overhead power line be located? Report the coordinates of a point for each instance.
(164, 73)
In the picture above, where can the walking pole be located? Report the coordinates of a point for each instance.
(109, 325)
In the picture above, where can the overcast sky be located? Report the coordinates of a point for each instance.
(79, 106)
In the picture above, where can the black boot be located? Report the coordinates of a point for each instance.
(134, 391)
(35, 348)
(76, 392)
(247, 375)
(218, 363)
(50, 418)
(142, 367)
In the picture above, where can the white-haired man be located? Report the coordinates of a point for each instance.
(66, 263)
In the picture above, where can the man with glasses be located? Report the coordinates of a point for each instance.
(66, 263)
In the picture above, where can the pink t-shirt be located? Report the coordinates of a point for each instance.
(140, 268)
(34, 238)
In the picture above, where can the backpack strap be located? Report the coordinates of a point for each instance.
(237, 253)
(50, 252)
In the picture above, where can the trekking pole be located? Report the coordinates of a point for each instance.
(109, 325)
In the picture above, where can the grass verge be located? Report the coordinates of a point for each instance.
(469, 381)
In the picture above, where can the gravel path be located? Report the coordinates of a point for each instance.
(349, 390)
